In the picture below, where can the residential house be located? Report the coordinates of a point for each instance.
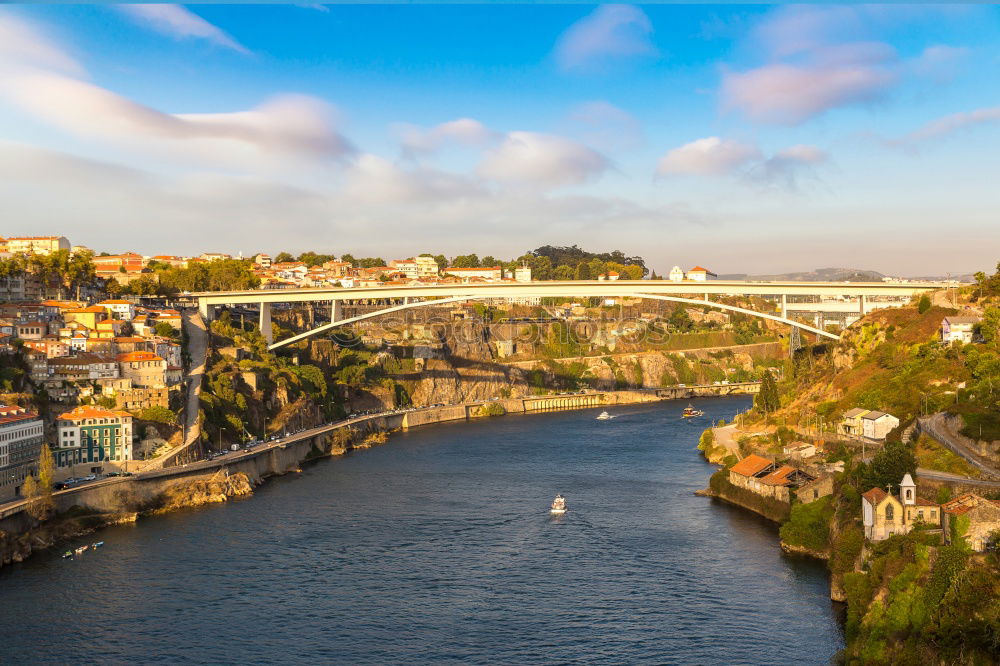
(815, 489)
(676, 274)
(976, 518)
(119, 309)
(851, 423)
(31, 330)
(21, 435)
(522, 274)
(883, 514)
(93, 438)
(130, 262)
(609, 275)
(214, 256)
(959, 329)
(799, 450)
(876, 424)
(51, 346)
(262, 260)
(38, 365)
(699, 274)
(82, 367)
(88, 316)
(145, 369)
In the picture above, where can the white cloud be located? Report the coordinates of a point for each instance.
(609, 33)
(179, 22)
(940, 62)
(787, 166)
(789, 94)
(541, 160)
(710, 156)
(950, 124)
(22, 43)
(464, 131)
(377, 180)
(287, 125)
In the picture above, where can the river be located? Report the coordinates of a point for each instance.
(438, 547)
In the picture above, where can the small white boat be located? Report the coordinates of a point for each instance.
(558, 506)
(81, 550)
(97, 544)
(604, 416)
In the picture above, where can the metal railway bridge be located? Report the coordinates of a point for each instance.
(401, 298)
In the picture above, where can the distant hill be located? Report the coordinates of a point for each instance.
(818, 275)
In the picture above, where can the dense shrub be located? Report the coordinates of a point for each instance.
(809, 525)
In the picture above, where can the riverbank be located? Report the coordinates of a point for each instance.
(236, 475)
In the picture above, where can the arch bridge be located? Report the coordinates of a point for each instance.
(402, 298)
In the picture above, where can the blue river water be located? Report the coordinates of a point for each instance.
(438, 548)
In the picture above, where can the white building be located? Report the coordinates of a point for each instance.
(522, 274)
(676, 274)
(876, 424)
(37, 244)
(415, 267)
(21, 434)
(699, 274)
(958, 329)
(492, 273)
(119, 309)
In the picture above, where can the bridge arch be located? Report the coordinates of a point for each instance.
(475, 296)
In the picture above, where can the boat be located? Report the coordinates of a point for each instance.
(97, 544)
(68, 554)
(690, 412)
(81, 550)
(604, 416)
(558, 506)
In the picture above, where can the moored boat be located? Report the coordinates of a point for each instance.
(68, 554)
(97, 544)
(604, 416)
(80, 550)
(558, 506)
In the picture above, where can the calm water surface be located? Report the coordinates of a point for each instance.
(439, 548)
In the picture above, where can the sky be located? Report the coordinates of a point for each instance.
(757, 139)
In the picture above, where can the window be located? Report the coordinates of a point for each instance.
(889, 512)
(909, 494)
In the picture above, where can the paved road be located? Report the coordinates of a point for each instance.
(946, 476)
(939, 427)
(724, 436)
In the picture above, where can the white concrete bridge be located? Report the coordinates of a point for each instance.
(865, 296)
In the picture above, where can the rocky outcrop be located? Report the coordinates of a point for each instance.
(18, 547)
(197, 492)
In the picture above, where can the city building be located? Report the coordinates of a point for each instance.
(119, 309)
(92, 438)
(958, 329)
(883, 514)
(88, 316)
(21, 435)
(262, 260)
(699, 274)
(144, 369)
(415, 267)
(491, 273)
(82, 367)
(130, 262)
(522, 274)
(676, 274)
(37, 244)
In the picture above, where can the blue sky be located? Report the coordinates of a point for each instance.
(743, 138)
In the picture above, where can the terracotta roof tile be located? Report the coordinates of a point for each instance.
(752, 464)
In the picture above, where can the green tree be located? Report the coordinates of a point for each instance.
(888, 466)
(582, 272)
(46, 469)
(466, 261)
(164, 330)
(924, 304)
(767, 399)
(283, 257)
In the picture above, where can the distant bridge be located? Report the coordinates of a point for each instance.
(401, 298)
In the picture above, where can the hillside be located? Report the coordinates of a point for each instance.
(817, 275)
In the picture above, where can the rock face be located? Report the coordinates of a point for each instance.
(196, 492)
(18, 547)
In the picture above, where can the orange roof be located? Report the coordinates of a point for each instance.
(114, 302)
(137, 356)
(962, 504)
(92, 308)
(13, 413)
(922, 502)
(778, 477)
(875, 496)
(752, 464)
(88, 412)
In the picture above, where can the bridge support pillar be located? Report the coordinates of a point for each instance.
(265, 322)
(784, 306)
(861, 304)
(336, 310)
(206, 311)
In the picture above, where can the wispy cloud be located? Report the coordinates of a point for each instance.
(606, 126)
(713, 157)
(424, 141)
(180, 23)
(610, 33)
(710, 156)
(949, 125)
